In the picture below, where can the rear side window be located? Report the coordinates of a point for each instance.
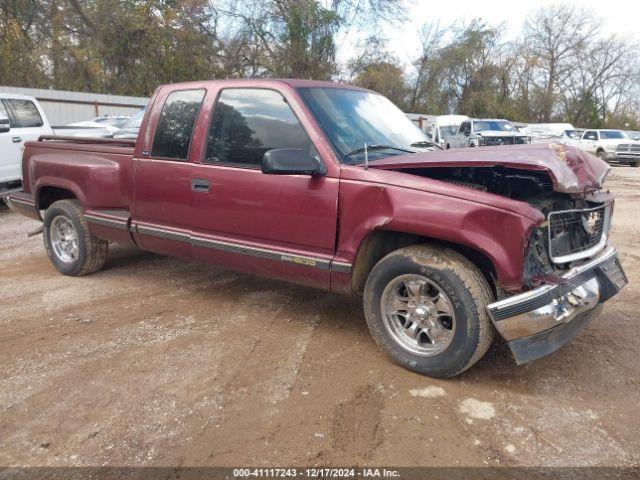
(248, 122)
(175, 125)
(23, 113)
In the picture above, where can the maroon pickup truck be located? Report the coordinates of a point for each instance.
(332, 186)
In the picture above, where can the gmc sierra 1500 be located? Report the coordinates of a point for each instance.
(332, 186)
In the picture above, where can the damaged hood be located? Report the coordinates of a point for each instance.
(571, 170)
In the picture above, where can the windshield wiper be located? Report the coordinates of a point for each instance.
(426, 143)
(378, 147)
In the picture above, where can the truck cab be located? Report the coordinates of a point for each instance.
(21, 120)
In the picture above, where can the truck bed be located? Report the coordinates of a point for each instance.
(95, 170)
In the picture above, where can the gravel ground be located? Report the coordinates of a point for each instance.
(154, 361)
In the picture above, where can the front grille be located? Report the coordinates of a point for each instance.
(627, 148)
(573, 234)
(510, 140)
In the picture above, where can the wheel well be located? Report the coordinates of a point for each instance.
(380, 243)
(600, 150)
(48, 195)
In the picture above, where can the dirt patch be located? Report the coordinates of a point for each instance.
(356, 427)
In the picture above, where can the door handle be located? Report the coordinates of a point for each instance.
(199, 185)
(16, 139)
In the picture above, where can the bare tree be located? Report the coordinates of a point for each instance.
(556, 35)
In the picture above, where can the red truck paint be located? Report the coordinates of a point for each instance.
(298, 228)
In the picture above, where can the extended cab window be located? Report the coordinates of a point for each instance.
(248, 122)
(23, 113)
(175, 125)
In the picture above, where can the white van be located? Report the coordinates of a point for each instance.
(439, 128)
(21, 120)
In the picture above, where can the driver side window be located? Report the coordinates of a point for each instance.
(246, 123)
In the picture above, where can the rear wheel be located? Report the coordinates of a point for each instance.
(71, 247)
(426, 308)
(635, 164)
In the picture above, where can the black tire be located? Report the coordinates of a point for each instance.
(468, 293)
(635, 164)
(91, 251)
(602, 155)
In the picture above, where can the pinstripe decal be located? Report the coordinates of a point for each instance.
(341, 267)
(198, 241)
(107, 222)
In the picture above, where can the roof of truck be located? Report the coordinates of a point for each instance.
(16, 96)
(293, 82)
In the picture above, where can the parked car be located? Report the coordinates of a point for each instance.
(21, 120)
(131, 127)
(329, 186)
(112, 123)
(611, 145)
(84, 131)
(487, 132)
(440, 128)
(551, 132)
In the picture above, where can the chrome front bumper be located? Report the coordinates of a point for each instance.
(540, 321)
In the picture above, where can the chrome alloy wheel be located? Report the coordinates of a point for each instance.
(418, 315)
(64, 239)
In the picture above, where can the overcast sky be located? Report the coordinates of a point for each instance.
(618, 16)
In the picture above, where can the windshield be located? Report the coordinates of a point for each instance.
(499, 125)
(614, 134)
(351, 118)
(447, 131)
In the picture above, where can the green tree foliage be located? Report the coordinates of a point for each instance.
(376, 69)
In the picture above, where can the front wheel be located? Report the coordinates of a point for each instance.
(426, 308)
(602, 155)
(71, 247)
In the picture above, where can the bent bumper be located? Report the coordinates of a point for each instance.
(538, 322)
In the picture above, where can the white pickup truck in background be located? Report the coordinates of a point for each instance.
(21, 120)
(611, 145)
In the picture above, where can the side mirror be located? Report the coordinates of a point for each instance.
(4, 125)
(291, 161)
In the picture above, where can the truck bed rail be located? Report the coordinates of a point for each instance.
(122, 142)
